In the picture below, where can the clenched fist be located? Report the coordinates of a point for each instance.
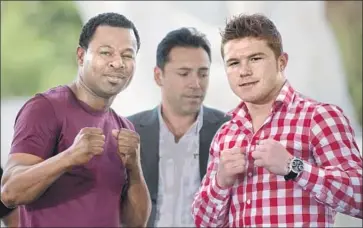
(272, 155)
(88, 143)
(128, 147)
(232, 162)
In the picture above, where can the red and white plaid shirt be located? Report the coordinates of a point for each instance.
(331, 181)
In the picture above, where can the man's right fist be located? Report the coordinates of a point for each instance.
(232, 162)
(88, 143)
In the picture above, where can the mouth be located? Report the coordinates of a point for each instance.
(113, 79)
(194, 97)
(246, 84)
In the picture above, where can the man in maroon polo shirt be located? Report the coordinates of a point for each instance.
(74, 162)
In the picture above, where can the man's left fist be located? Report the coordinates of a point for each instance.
(128, 147)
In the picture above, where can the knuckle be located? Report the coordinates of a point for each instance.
(83, 136)
(137, 136)
(100, 138)
(83, 130)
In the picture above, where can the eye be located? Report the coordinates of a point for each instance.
(107, 53)
(232, 63)
(183, 74)
(254, 59)
(128, 56)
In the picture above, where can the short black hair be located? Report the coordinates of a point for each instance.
(182, 37)
(109, 19)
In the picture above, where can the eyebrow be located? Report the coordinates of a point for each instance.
(108, 46)
(203, 68)
(184, 68)
(256, 54)
(250, 56)
(187, 68)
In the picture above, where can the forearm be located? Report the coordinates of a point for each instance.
(338, 187)
(211, 205)
(137, 206)
(24, 184)
(12, 220)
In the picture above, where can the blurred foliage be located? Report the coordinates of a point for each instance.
(38, 45)
(345, 18)
(39, 39)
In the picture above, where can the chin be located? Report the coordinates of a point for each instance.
(192, 110)
(116, 89)
(250, 98)
(107, 94)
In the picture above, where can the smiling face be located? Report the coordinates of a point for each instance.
(184, 79)
(108, 65)
(254, 73)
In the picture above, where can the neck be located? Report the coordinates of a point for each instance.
(178, 124)
(85, 94)
(259, 110)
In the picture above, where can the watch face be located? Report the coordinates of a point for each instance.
(297, 165)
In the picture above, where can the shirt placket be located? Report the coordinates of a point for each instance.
(251, 171)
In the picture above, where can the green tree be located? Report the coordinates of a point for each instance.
(346, 20)
(38, 45)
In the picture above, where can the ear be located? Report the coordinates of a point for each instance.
(80, 55)
(283, 59)
(158, 76)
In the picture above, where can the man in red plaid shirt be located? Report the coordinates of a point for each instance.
(282, 160)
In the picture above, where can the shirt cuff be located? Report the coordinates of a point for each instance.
(311, 178)
(218, 194)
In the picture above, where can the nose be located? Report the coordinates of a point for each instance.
(117, 63)
(245, 70)
(195, 82)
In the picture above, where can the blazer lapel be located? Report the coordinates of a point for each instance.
(149, 131)
(209, 128)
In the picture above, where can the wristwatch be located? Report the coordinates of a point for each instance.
(296, 166)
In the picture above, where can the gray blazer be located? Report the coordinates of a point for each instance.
(147, 126)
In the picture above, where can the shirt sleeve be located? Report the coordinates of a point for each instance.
(211, 203)
(35, 128)
(336, 181)
(4, 211)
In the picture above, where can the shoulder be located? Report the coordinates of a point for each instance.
(317, 109)
(321, 117)
(36, 107)
(48, 99)
(138, 117)
(57, 95)
(215, 114)
(329, 115)
(44, 103)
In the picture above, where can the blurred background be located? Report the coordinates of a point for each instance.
(323, 40)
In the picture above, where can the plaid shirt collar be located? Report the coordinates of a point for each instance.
(284, 98)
